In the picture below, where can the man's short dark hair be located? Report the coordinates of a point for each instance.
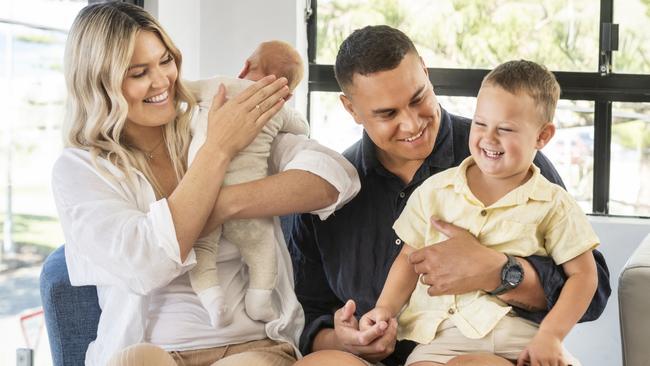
(371, 49)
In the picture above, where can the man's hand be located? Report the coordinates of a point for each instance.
(544, 349)
(373, 344)
(457, 265)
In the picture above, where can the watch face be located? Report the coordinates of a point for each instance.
(513, 276)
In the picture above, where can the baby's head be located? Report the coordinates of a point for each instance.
(513, 118)
(274, 57)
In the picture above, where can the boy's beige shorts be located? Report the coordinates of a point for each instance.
(511, 336)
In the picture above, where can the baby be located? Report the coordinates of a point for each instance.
(500, 197)
(255, 238)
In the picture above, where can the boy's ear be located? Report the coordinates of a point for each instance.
(244, 71)
(347, 104)
(545, 134)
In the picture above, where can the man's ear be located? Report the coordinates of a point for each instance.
(244, 71)
(347, 104)
(545, 134)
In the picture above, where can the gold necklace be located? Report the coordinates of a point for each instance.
(149, 154)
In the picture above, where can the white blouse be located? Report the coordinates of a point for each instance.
(122, 240)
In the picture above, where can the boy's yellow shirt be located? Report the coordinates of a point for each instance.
(536, 218)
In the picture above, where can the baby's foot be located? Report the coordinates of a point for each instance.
(214, 301)
(259, 305)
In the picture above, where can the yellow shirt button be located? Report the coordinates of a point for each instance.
(451, 311)
(483, 212)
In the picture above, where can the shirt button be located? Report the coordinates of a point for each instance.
(483, 212)
(451, 311)
(402, 195)
(398, 242)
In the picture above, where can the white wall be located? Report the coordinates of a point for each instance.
(216, 37)
(219, 39)
(181, 20)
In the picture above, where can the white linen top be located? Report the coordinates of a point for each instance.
(123, 241)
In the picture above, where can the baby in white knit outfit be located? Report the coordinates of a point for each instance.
(254, 237)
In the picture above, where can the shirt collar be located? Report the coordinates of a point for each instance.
(442, 155)
(533, 189)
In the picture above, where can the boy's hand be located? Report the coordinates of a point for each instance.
(372, 345)
(377, 317)
(544, 349)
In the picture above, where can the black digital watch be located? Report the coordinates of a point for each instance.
(512, 274)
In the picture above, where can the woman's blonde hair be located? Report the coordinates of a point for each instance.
(97, 56)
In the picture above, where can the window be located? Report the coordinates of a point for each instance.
(634, 19)
(473, 34)
(461, 40)
(32, 90)
(630, 164)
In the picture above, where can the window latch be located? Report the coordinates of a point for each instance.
(608, 43)
(309, 11)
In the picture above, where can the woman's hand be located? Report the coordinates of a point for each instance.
(234, 123)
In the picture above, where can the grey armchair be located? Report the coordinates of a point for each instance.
(634, 302)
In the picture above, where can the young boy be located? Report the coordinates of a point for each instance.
(255, 237)
(500, 197)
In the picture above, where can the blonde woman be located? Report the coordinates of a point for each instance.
(131, 209)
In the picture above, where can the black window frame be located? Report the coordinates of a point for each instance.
(602, 86)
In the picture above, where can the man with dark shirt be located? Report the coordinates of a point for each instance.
(341, 264)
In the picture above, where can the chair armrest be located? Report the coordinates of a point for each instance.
(634, 302)
(71, 313)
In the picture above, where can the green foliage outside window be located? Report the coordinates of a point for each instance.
(563, 35)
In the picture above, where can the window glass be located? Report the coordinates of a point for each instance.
(330, 123)
(633, 17)
(461, 106)
(563, 35)
(571, 150)
(629, 192)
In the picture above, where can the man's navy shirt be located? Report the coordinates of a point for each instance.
(348, 256)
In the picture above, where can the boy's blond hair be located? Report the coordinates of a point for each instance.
(531, 78)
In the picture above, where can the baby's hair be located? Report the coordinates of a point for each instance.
(280, 59)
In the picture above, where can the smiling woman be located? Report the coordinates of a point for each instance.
(146, 65)
(132, 208)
